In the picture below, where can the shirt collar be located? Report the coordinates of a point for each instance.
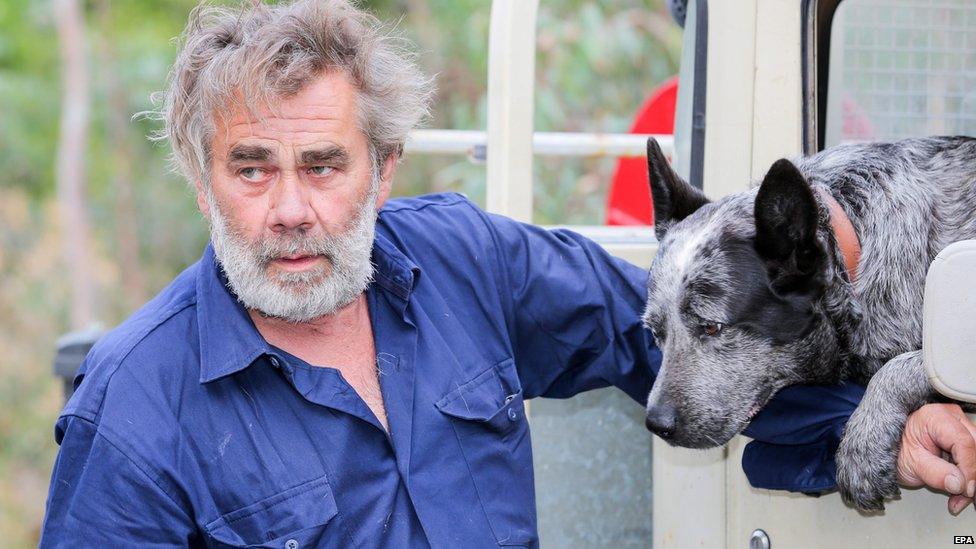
(229, 341)
(393, 270)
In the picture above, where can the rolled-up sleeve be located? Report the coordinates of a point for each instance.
(796, 436)
(99, 497)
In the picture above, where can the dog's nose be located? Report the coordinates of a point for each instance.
(661, 419)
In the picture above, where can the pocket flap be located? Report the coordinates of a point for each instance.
(482, 397)
(291, 513)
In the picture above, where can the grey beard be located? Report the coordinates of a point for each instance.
(302, 296)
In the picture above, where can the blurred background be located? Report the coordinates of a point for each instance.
(93, 223)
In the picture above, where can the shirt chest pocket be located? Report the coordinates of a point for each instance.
(293, 519)
(488, 416)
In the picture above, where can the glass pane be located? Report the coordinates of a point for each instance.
(597, 61)
(900, 68)
(451, 38)
(592, 471)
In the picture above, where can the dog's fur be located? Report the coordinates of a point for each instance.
(750, 294)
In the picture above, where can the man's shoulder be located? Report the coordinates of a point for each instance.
(446, 219)
(437, 230)
(151, 343)
(447, 204)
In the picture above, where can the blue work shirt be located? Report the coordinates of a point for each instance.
(188, 428)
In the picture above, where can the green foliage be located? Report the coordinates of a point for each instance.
(596, 62)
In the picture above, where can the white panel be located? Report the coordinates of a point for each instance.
(729, 102)
(689, 497)
(919, 519)
(511, 88)
(777, 113)
(948, 338)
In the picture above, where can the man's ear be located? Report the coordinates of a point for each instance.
(387, 171)
(202, 199)
(674, 199)
(786, 227)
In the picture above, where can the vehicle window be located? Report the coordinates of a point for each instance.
(901, 68)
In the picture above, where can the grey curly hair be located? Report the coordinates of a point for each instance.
(250, 55)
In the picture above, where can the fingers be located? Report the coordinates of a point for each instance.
(925, 468)
(967, 423)
(932, 433)
(958, 503)
(951, 432)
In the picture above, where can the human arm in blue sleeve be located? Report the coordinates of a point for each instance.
(796, 436)
(575, 313)
(101, 498)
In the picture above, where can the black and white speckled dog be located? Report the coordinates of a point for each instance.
(751, 293)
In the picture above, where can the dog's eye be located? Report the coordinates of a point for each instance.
(712, 329)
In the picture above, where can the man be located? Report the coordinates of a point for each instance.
(327, 377)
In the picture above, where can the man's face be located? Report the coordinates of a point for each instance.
(292, 202)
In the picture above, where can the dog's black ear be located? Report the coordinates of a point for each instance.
(786, 227)
(674, 199)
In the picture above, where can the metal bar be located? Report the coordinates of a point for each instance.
(444, 141)
(473, 143)
(597, 144)
(637, 235)
(511, 99)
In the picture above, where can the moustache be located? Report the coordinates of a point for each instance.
(297, 244)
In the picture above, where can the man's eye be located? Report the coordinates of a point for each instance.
(320, 171)
(252, 173)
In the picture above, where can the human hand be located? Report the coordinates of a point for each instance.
(931, 432)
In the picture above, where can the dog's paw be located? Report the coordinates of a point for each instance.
(866, 465)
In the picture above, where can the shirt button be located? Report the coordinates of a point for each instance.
(291, 544)
(274, 362)
(512, 414)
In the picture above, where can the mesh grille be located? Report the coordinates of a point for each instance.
(901, 68)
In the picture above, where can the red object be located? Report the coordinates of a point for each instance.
(630, 193)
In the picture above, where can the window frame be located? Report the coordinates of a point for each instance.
(817, 22)
(696, 175)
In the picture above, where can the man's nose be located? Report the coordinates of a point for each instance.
(662, 418)
(290, 205)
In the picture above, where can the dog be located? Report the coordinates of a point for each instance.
(758, 290)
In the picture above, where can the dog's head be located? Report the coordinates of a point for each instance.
(733, 301)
